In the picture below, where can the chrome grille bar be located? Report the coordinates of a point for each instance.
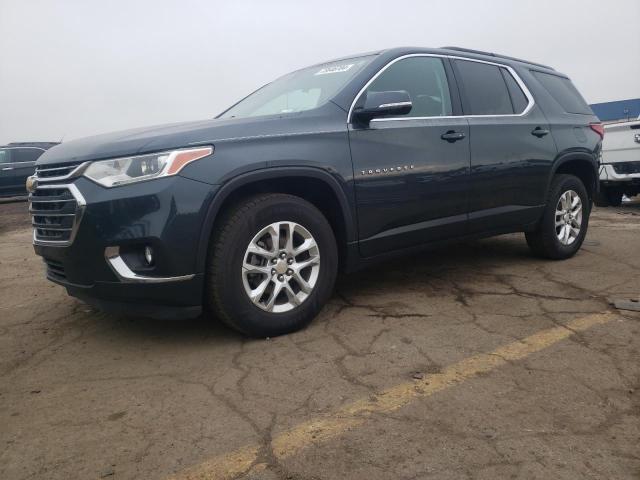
(47, 214)
(59, 200)
(56, 211)
(56, 173)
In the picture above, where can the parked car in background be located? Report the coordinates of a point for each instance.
(328, 168)
(17, 163)
(620, 165)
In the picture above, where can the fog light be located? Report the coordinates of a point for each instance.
(148, 255)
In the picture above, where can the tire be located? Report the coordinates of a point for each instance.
(544, 241)
(229, 281)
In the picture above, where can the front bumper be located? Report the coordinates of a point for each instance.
(608, 175)
(98, 266)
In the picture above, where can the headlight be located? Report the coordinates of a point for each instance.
(121, 171)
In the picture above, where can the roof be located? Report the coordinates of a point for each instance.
(617, 110)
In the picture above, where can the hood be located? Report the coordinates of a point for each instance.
(177, 135)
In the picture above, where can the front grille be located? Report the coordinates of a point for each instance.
(55, 171)
(55, 206)
(626, 168)
(55, 269)
(53, 212)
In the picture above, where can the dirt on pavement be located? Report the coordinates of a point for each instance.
(84, 394)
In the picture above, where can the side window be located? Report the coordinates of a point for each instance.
(26, 154)
(485, 89)
(518, 98)
(563, 91)
(424, 79)
(5, 155)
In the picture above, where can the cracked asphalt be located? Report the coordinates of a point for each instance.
(475, 361)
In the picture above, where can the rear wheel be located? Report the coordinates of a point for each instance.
(564, 223)
(272, 266)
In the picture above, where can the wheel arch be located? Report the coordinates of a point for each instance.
(583, 165)
(315, 185)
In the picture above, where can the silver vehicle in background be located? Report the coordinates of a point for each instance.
(620, 165)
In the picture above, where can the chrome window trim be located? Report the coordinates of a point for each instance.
(126, 275)
(513, 73)
(81, 203)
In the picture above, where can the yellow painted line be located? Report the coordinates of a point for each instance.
(323, 428)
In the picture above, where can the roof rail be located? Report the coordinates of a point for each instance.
(497, 55)
(28, 144)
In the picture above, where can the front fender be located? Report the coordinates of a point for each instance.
(239, 181)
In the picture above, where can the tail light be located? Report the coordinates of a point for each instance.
(598, 128)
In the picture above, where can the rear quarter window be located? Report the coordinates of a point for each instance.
(518, 98)
(563, 92)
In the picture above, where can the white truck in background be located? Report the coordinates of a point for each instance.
(620, 164)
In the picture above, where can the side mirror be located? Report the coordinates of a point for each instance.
(383, 104)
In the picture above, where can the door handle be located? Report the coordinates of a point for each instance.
(7, 168)
(539, 132)
(452, 136)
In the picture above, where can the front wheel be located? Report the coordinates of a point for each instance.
(272, 266)
(564, 222)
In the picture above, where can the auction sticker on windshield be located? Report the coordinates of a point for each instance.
(334, 69)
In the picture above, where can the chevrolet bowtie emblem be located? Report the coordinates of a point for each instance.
(32, 184)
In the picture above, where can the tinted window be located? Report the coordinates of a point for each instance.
(563, 91)
(26, 154)
(485, 90)
(518, 98)
(424, 79)
(5, 155)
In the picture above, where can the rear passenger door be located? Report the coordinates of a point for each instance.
(411, 181)
(512, 149)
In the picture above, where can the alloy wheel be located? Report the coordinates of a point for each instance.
(568, 219)
(280, 267)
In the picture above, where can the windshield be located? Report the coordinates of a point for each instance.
(300, 90)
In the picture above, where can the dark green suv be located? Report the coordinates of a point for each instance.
(250, 215)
